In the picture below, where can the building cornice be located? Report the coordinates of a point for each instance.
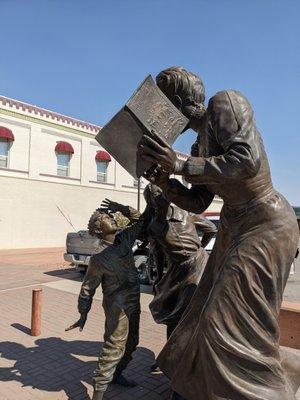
(32, 113)
(43, 114)
(45, 123)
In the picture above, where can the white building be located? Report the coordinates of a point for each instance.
(53, 175)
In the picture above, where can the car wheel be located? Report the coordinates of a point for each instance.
(141, 264)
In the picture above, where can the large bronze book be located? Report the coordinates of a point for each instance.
(147, 110)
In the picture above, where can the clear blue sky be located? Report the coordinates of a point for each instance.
(84, 59)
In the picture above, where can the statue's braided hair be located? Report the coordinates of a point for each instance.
(94, 224)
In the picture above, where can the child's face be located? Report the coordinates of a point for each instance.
(108, 225)
(158, 201)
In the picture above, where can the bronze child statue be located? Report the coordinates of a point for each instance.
(113, 267)
(180, 257)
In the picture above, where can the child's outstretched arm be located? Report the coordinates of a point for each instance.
(137, 230)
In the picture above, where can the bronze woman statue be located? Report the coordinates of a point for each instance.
(226, 345)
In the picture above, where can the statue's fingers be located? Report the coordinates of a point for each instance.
(71, 327)
(148, 157)
(103, 209)
(150, 151)
(149, 142)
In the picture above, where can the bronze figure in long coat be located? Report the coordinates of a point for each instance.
(226, 344)
(178, 252)
(174, 232)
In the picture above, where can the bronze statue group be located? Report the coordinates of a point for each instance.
(220, 311)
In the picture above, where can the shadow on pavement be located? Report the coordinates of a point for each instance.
(53, 364)
(21, 328)
(66, 273)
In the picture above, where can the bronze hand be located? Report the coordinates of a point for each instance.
(79, 324)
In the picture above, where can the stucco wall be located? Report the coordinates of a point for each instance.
(32, 154)
(33, 198)
(29, 214)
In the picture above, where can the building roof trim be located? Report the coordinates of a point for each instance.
(55, 118)
(53, 125)
(47, 114)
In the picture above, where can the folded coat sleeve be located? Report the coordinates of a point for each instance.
(230, 122)
(196, 199)
(208, 228)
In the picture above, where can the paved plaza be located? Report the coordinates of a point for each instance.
(58, 365)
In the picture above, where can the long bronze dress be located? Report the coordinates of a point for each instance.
(226, 345)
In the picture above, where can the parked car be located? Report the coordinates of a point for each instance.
(144, 263)
(80, 246)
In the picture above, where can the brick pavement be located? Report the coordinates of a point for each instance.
(24, 267)
(58, 365)
(40, 256)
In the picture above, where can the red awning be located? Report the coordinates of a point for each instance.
(6, 134)
(102, 155)
(64, 147)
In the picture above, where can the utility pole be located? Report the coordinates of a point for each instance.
(139, 195)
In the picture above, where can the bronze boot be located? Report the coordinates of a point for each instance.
(119, 379)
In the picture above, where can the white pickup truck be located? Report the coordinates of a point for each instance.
(81, 245)
(79, 248)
